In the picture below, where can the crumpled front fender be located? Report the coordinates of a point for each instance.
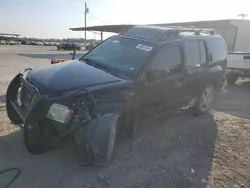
(94, 139)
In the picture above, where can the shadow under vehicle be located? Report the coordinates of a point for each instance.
(121, 82)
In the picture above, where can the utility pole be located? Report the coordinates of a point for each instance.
(86, 11)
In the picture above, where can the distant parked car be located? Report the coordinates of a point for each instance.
(75, 46)
(61, 46)
(90, 46)
(33, 43)
(46, 43)
(51, 43)
(39, 44)
(2, 42)
(24, 42)
(12, 42)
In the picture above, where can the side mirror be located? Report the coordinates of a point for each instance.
(157, 75)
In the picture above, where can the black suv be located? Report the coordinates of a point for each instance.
(61, 46)
(75, 46)
(124, 80)
(69, 46)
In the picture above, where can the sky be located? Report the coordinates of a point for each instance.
(53, 18)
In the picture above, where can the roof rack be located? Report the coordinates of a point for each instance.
(197, 31)
(160, 33)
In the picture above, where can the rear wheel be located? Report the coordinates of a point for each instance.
(231, 79)
(205, 100)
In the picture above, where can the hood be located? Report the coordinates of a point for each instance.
(64, 77)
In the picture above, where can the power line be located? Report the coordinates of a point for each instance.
(97, 18)
(90, 20)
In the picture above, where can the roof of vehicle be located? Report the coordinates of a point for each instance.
(162, 34)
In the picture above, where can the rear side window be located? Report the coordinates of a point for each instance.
(195, 53)
(218, 49)
(192, 54)
(203, 57)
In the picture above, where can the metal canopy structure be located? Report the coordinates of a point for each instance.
(104, 28)
(121, 28)
(124, 27)
(230, 29)
(9, 34)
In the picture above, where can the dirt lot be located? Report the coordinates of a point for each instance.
(178, 150)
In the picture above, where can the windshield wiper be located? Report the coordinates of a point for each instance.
(109, 70)
(95, 64)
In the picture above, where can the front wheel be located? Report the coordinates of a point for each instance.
(12, 114)
(205, 100)
(11, 94)
(32, 139)
(102, 140)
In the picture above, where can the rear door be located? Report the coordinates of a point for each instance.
(218, 53)
(196, 62)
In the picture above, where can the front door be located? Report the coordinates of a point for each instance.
(157, 95)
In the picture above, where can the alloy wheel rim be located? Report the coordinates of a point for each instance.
(112, 140)
(207, 98)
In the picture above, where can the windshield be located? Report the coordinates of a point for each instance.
(121, 54)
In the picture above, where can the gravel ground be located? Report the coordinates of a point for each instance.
(178, 150)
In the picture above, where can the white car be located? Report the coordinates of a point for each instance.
(39, 43)
(12, 42)
(2, 42)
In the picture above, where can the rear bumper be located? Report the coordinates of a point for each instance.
(239, 72)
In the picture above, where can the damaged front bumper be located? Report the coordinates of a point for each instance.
(32, 107)
(93, 124)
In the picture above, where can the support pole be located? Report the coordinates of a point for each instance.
(101, 36)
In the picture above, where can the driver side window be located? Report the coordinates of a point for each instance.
(168, 57)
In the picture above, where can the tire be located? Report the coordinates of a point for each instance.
(103, 139)
(12, 114)
(231, 79)
(12, 93)
(205, 100)
(33, 140)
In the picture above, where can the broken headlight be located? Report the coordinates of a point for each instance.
(59, 113)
